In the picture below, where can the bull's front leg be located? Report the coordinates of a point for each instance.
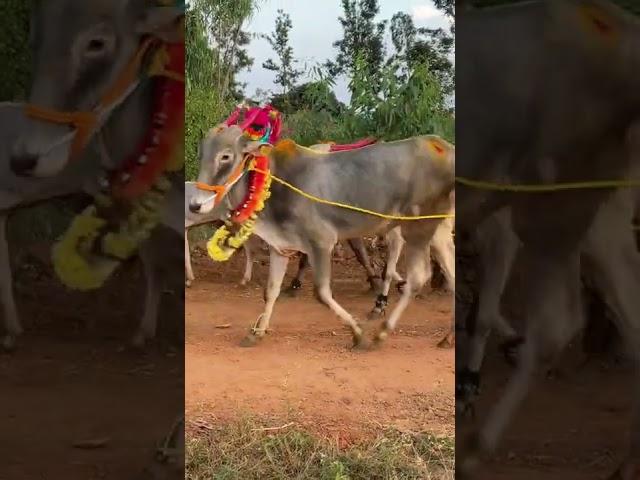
(12, 325)
(149, 322)
(248, 265)
(395, 243)
(360, 251)
(320, 258)
(187, 261)
(277, 269)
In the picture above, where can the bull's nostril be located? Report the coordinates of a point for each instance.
(194, 207)
(23, 164)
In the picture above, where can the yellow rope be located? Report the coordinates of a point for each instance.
(501, 187)
(351, 207)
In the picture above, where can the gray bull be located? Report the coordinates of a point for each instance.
(553, 104)
(76, 59)
(407, 177)
(216, 215)
(80, 47)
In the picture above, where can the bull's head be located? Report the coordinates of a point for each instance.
(81, 50)
(222, 155)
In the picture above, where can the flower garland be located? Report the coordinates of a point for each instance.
(128, 208)
(224, 244)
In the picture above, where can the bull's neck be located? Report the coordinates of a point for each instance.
(125, 129)
(238, 193)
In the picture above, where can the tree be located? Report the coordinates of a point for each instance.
(286, 73)
(363, 38)
(223, 22)
(315, 96)
(421, 45)
(447, 6)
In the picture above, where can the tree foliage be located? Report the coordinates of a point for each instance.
(362, 38)
(14, 49)
(286, 72)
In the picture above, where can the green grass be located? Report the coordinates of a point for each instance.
(245, 451)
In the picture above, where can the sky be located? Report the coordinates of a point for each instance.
(315, 28)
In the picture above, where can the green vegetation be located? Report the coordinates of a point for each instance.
(396, 91)
(247, 451)
(14, 49)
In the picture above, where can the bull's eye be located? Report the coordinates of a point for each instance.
(225, 157)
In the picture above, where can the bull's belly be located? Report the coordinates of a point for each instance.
(275, 238)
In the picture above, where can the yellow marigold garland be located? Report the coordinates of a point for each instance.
(223, 245)
(72, 258)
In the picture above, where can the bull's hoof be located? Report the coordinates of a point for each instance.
(8, 344)
(376, 314)
(381, 337)
(140, 340)
(188, 283)
(250, 340)
(400, 286)
(470, 459)
(447, 342)
(360, 342)
(510, 350)
(293, 289)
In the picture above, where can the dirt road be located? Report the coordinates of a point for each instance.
(304, 370)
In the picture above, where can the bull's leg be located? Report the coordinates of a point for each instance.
(417, 276)
(552, 291)
(296, 283)
(616, 271)
(248, 265)
(277, 269)
(496, 258)
(358, 247)
(12, 325)
(394, 242)
(444, 252)
(187, 261)
(149, 322)
(320, 259)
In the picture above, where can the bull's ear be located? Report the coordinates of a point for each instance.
(163, 19)
(591, 22)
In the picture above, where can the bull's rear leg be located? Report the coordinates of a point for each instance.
(277, 269)
(296, 283)
(188, 268)
(12, 327)
(395, 243)
(320, 259)
(617, 272)
(551, 303)
(417, 276)
(359, 249)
